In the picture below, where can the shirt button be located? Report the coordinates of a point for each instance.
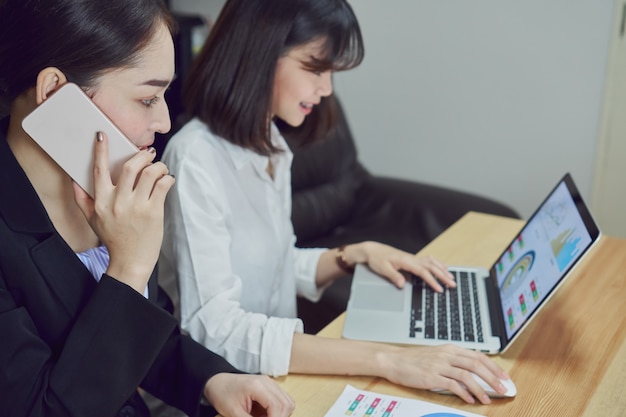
(127, 411)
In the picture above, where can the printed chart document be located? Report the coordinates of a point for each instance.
(358, 403)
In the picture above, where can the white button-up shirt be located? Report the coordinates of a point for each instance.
(229, 243)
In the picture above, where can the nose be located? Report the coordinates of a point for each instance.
(325, 87)
(162, 122)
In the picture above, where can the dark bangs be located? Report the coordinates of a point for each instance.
(335, 24)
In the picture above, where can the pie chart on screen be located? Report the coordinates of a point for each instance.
(515, 276)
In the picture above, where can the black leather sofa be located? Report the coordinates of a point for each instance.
(337, 201)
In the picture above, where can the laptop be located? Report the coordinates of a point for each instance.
(489, 308)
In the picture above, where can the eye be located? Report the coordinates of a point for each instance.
(311, 67)
(313, 71)
(150, 102)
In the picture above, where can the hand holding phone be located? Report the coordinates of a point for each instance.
(65, 127)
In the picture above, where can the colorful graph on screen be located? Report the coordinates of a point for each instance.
(565, 248)
(516, 275)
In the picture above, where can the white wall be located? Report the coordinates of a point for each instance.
(492, 97)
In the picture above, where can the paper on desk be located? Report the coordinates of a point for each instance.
(358, 403)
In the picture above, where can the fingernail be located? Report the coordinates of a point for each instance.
(99, 137)
(151, 150)
(486, 399)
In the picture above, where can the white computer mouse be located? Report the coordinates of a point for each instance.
(508, 383)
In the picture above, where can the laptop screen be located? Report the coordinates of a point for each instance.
(553, 239)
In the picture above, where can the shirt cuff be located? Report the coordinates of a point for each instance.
(305, 270)
(276, 345)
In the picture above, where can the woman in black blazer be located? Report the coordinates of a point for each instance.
(81, 318)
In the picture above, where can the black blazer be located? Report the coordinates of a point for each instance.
(70, 346)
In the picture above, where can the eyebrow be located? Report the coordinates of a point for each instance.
(159, 83)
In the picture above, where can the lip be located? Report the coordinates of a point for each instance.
(146, 146)
(308, 106)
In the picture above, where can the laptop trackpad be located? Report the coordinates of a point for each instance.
(380, 297)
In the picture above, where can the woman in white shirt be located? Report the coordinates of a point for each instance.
(229, 242)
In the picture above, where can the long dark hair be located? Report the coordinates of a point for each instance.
(83, 38)
(231, 81)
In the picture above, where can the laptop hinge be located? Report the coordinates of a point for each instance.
(495, 311)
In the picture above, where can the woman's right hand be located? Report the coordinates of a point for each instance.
(128, 216)
(446, 367)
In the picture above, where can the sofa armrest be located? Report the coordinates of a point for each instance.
(408, 214)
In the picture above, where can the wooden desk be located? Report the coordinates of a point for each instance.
(576, 365)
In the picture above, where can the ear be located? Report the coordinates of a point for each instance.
(48, 80)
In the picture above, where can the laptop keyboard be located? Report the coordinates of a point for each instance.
(451, 315)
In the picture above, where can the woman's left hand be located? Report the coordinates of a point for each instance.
(242, 395)
(388, 261)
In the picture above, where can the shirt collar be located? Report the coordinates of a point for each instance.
(241, 156)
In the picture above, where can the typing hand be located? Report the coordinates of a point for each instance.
(388, 261)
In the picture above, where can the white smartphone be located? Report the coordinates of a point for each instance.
(65, 127)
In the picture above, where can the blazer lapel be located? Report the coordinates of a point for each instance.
(24, 213)
(64, 273)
